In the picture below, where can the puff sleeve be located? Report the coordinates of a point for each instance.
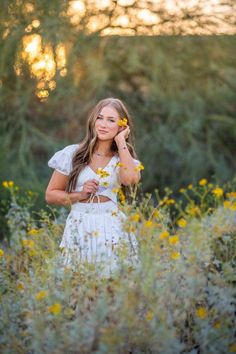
(61, 161)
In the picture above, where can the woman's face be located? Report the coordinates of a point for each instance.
(106, 124)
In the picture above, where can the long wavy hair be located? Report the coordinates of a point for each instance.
(83, 155)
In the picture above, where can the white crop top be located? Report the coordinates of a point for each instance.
(62, 162)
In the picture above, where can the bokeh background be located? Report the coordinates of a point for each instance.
(172, 62)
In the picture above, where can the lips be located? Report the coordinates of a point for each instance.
(102, 131)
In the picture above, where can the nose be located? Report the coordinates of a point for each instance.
(103, 124)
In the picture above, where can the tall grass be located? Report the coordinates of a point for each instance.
(177, 297)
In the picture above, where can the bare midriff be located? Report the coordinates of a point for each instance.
(102, 199)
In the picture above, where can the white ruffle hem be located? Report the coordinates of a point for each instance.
(94, 233)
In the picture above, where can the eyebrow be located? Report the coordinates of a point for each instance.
(107, 117)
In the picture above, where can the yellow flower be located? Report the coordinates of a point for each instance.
(170, 201)
(227, 204)
(32, 253)
(55, 309)
(20, 285)
(231, 194)
(134, 217)
(193, 210)
(217, 325)
(102, 173)
(164, 235)
(123, 122)
(175, 255)
(232, 348)
(5, 184)
(233, 207)
(210, 185)
(203, 182)
(33, 232)
(28, 243)
(149, 315)
(155, 213)
(119, 164)
(148, 223)
(41, 295)
(190, 186)
(121, 195)
(218, 192)
(10, 184)
(105, 184)
(182, 222)
(173, 240)
(130, 228)
(1, 253)
(115, 190)
(201, 312)
(139, 167)
(182, 190)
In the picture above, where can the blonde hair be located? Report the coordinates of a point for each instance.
(83, 156)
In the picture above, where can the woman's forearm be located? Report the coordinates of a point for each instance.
(128, 174)
(63, 198)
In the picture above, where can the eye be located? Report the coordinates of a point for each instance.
(99, 117)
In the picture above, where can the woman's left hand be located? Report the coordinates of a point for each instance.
(123, 134)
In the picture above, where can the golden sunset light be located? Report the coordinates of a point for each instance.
(126, 18)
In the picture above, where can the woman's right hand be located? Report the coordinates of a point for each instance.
(90, 187)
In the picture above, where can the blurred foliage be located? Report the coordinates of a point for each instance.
(181, 92)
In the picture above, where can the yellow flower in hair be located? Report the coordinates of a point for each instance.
(123, 122)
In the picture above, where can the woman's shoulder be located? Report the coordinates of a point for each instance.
(62, 159)
(71, 148)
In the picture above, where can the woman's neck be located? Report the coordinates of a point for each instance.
(103, 148)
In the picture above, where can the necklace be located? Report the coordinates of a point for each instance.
(98, 154)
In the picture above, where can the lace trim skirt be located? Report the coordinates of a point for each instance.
(94, 233)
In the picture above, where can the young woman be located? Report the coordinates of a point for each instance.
(87, 176)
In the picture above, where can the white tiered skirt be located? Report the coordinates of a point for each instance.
(94, 234)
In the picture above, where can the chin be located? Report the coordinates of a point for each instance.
(104, 137)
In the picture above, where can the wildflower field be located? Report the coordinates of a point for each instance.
(178, 298)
